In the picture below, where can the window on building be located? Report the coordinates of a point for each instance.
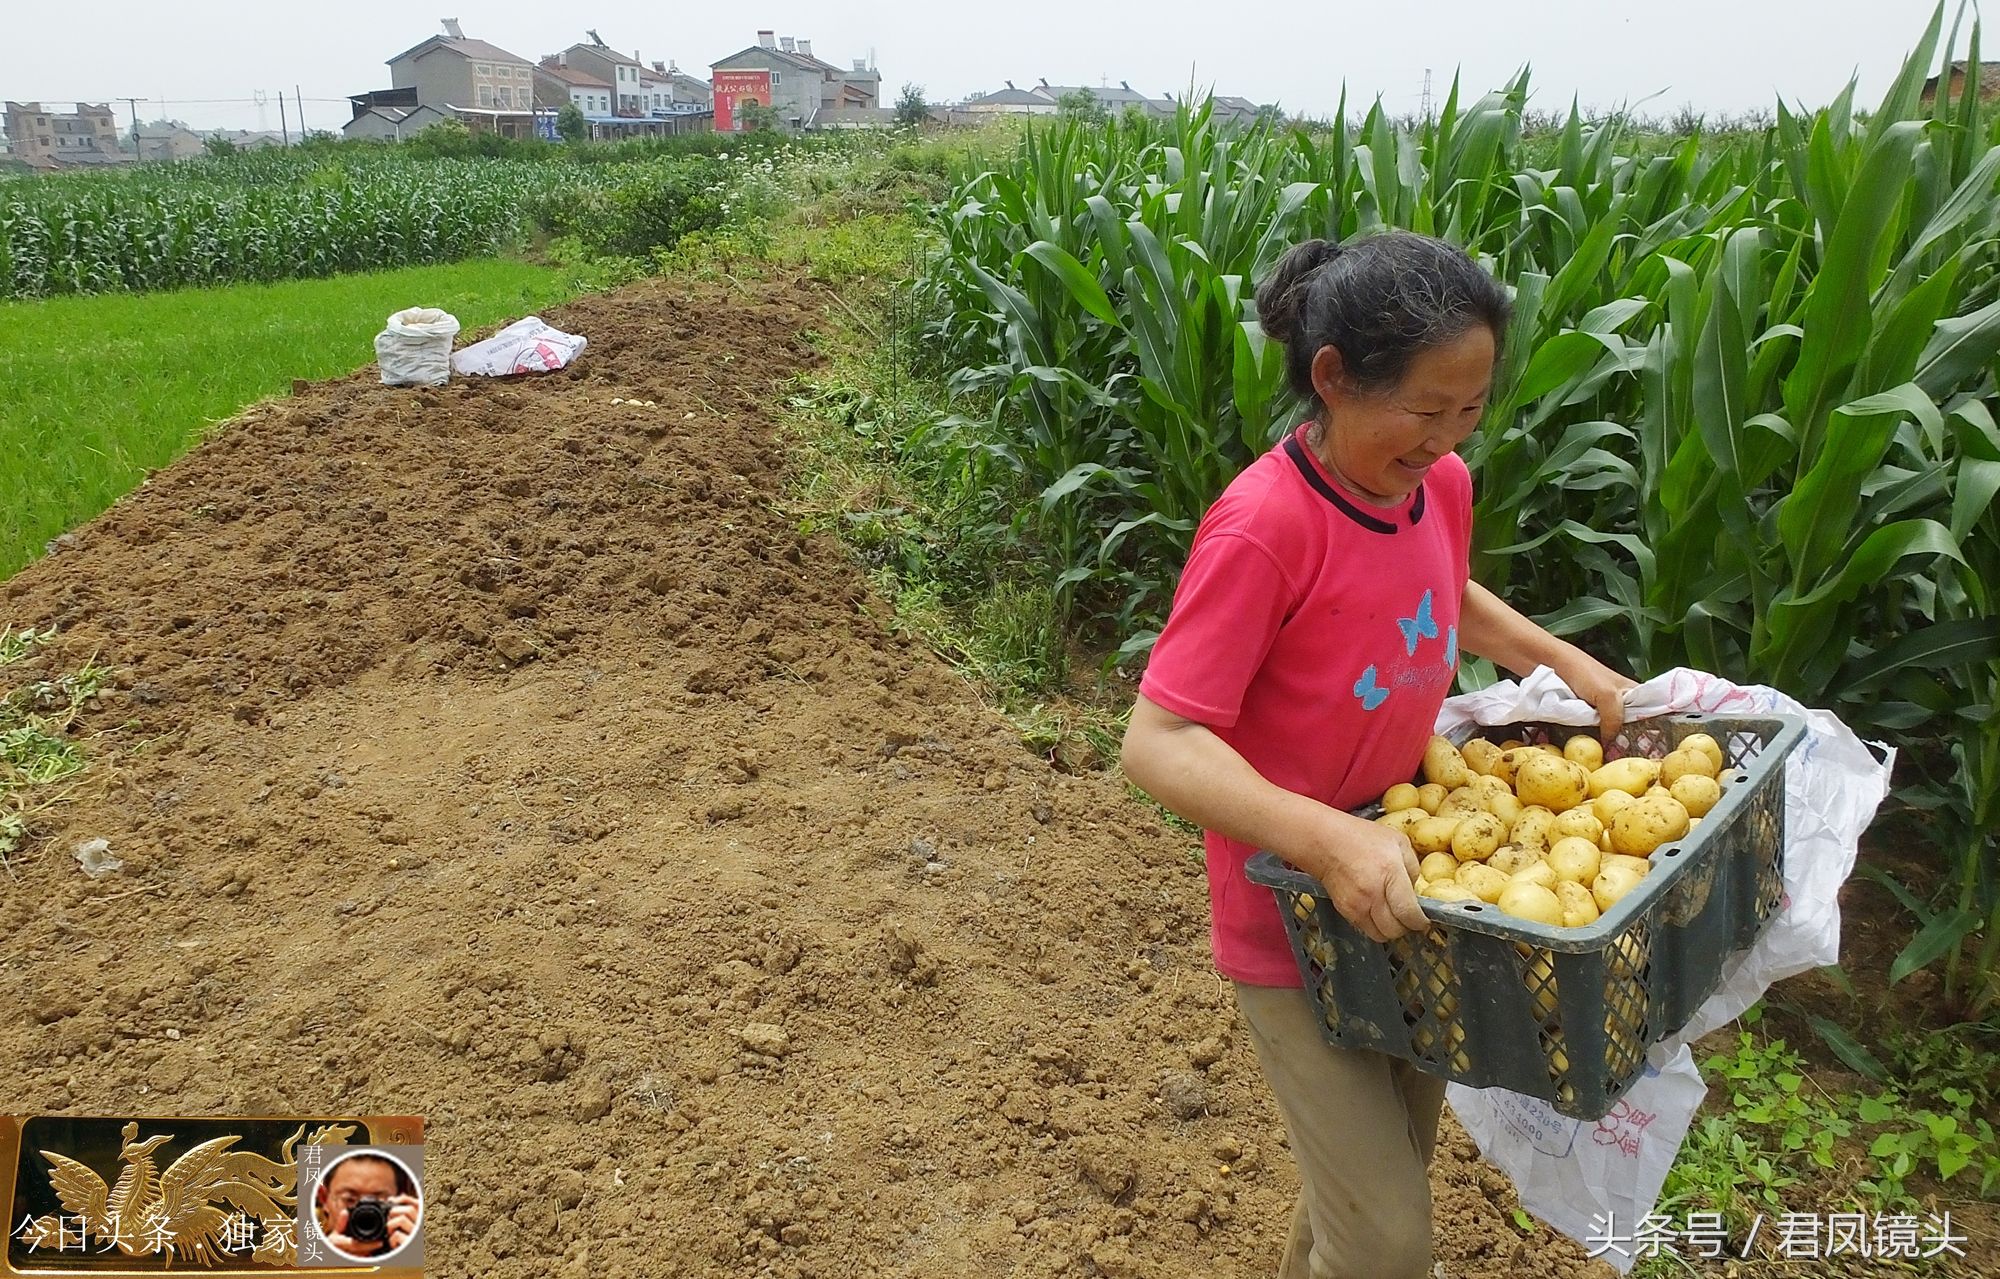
(483, 68)
(774, 79)
(485, 95)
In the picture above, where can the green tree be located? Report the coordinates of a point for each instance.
(1081, 104)
(217, 145)
(911, 107)
(571, 125)
(755, 117)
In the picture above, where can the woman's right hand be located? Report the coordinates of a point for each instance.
(1370, 871)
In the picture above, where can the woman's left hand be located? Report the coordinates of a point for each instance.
(1599, 685)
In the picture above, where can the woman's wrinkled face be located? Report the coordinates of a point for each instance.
(1381, 444)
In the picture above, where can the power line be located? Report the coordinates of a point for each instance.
(167, 102)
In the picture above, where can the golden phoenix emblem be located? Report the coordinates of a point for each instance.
(211, 1204)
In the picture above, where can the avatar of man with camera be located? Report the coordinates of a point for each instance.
(366, 1206)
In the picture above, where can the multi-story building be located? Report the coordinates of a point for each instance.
(556, 84)
(450, 70)
(1009, 101)
(169, 140)
(44, 138)
(667, 88)
(782, 73)
(450, 75)
(626, 97)
(1114, 100)
(623, 72)
(1044, 98)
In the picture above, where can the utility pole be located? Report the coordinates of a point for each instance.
(137, 153)
(284, 128)
(300, 98)
(1426, 112)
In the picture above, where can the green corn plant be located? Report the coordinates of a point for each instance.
(1742, 420)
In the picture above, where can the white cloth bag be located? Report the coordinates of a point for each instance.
(1596, 1182)
(525, 346)
(415, 350)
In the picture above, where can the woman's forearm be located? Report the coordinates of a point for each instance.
(1201, 778)
(1493, 629)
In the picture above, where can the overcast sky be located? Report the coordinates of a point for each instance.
(203, 62)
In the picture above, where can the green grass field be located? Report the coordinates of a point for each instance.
(96, 391)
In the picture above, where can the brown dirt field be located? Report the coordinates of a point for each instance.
(499, 754)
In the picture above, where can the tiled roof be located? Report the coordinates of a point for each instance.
(608, 53)
(477, 50)
(572, 77)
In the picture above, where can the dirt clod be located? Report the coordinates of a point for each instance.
(765, 1039)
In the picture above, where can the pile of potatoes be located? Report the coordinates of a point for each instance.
(1557, 836)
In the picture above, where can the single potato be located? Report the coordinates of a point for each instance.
(1399, 797)
(1535, 872)
(1551, 782)
(1433, 834)
(1531, 901)
(1482, 881)
(1637, 865)
(1444, 765)
(1430, 797)
(1575, 859)
(1578, 906)
(1476, 837)
(1507, 807)
(1405, 820)
(1584, 750)
(1579, 823)
(1462, 802)
(1697, 794)
(1534, 830)
(1708, 746)
(1612, 886)
(1508, 859)
(1606, 806)
(1510, 759)
(1685, 763)
(1631, 775)
(1480, 755)
(1438, 866)
(1642, 827)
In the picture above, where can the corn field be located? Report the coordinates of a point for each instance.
(262, 217)
(1745, 419)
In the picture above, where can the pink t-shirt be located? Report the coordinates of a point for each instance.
(1317, 635)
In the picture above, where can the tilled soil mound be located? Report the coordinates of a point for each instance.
(500, 754)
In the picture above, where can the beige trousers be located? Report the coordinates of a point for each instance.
(1362, 1127)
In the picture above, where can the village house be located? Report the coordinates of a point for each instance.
(45, 139)
(449, 76)
(806, 92)
(1989, 84)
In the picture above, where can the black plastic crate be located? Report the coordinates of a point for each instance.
(1564, 1014)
